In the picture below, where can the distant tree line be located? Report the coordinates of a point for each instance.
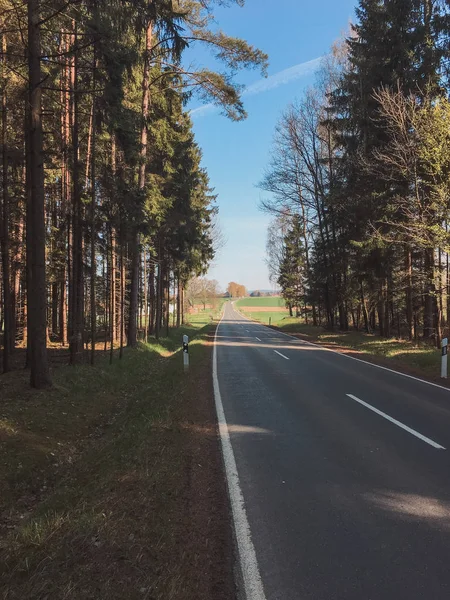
(359, 178)
(105, 209)
(236, 290)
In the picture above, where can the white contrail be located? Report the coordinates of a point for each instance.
(269, 83)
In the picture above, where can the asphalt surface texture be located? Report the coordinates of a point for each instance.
(343, 503)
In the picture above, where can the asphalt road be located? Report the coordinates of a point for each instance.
(342, 502)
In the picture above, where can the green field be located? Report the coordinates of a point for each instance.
(269, 301)
(204, 317)
(263, 317)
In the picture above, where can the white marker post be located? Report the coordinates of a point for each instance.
(444, 344)
(186, 352)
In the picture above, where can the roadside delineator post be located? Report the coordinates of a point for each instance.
(444, 345)
(270, 321)
(186, 352)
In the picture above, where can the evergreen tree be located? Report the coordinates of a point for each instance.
(292, 267)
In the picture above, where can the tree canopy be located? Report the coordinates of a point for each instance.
(361, 158)
(107, 211)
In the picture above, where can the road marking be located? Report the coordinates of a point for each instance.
(257, 338)
(253, 587)
(398, 423)
(292, 337)
(276, 352)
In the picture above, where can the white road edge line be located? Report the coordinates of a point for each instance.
(398, 423)
(253, 587)
(276, 352)
(292, 337)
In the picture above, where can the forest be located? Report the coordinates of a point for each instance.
(359, 179)
(106, 210)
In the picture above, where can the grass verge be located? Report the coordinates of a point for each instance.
(112, 483)
(421, 360)
(265, 317)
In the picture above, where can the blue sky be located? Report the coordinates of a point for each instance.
(291, 32)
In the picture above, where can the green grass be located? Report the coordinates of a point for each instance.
(263, 316)
(94, 475)
(266, 317)
(204, 317)
(193, 324)
(264, 301)
(423, 359)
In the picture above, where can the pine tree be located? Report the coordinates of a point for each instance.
(292, 267)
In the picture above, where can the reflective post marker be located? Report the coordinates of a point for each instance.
(444, 344)
(186, 352)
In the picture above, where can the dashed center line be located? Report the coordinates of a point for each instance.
(276, 352)
(398, 423)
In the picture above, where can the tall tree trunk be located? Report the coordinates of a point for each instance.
(134, 289)
(7, 320)
(26, 332)
(159, 298)
(77, 317)
(429, 299)
(122, 298)
(380, 311)
(16, 279)
(92, 215)
(66, 196)
(409, 293)
(112, 298)
(178, 302)
(182, 305)
(168, 303)
(90, 147)
(115, 314)
(145, 298)
(387, 304)
(440, 305)
(132, 330)
(364, 307)
(54, 285)
(152, 298)
(62, 312)
(37, 294)
(54, 295)
(106, 293)
(113, 269)
(447, 269)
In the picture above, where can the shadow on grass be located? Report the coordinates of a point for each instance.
(421, 359)
(103, 479)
